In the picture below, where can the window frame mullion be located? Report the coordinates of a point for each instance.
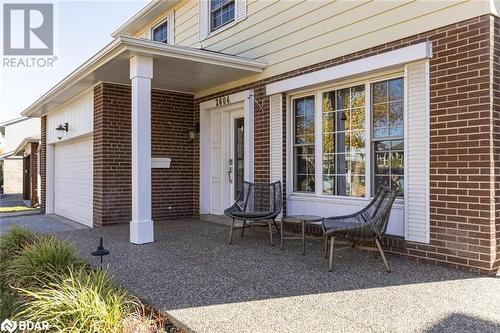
(368, 141)
(318, 143)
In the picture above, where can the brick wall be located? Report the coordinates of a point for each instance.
(462, 222)
(496, 135)
(172, 189)
(33, 174)
(43, 154)
(112, 154)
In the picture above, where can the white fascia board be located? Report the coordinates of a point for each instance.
(143, 47)
(377, 62)
(105, 54)
(153, 48)
(149, 9)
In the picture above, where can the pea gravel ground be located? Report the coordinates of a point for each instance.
(205, 285)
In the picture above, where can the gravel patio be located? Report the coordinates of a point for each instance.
(205, 285)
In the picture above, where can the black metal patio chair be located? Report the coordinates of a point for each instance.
(256, 203)
(370, 223)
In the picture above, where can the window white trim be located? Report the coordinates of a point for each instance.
(378, 62)
(204, 18)
(169, 19)
(318, 123)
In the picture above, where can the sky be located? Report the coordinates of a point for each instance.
(81, 28)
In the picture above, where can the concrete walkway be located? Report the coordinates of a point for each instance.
(205, 285)
(11, 200)
(38, 223)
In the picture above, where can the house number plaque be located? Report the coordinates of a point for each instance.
(222, 101)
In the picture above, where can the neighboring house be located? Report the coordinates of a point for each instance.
(331, 98)
(28, 150)
(14, 132)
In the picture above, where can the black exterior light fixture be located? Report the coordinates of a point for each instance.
(61, 128)
(195, 129)
(100, 252)
(343, 117)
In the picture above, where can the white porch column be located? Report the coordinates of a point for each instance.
(141, 226)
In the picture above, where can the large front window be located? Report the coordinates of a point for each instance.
(344, 141)
(221, 13)
(387, 133)
(304, 165)
(355, 155)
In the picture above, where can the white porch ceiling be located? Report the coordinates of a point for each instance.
(175, 68)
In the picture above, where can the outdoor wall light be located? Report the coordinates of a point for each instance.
(193, 131)
(100, 252)
(61, 128)
(343, 117)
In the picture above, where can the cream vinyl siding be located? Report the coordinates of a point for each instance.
(417, 152)
(291, 34)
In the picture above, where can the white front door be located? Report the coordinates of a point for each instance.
(226, 157)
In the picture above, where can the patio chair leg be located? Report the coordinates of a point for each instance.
(276, 226)
(382, 255)
(325, 244)
(271, 232)
(231, 233)
(331, 254)
(243, 228)
(281, 236)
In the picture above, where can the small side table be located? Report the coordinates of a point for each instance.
(303, 221)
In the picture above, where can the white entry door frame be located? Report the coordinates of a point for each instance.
(213, 154)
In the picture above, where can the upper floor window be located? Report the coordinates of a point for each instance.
(160, 32)
(222, 12)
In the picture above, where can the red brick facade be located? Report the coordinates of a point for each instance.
(33, 174)
(174, 190)
(43, 163)
(465, 146)
(462, 220)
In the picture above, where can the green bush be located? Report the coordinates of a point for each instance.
(13, 241)
(11, 244)
(85, 301)
(41, 262)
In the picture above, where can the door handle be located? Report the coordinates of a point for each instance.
(230, 170)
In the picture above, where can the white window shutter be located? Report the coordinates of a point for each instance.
(417, 149)
(241, 10)
(276, 138)
(171, 27)
(203, 19)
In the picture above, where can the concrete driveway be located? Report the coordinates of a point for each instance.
(205, 285)
(38, 223)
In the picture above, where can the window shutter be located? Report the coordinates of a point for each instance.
(241, 10)
(276, 137)
(417, 182)
(203, 19)
(171, 27)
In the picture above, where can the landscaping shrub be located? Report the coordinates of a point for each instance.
(40, 262)
(84, 301)
(12, 243)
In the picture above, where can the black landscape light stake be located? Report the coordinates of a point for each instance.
(100, 252)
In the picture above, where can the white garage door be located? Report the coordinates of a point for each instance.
(73, 181)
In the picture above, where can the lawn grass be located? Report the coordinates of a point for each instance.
(14, 209)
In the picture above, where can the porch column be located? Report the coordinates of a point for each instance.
(141, 226)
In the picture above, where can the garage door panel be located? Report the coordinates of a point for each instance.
(73, 181)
